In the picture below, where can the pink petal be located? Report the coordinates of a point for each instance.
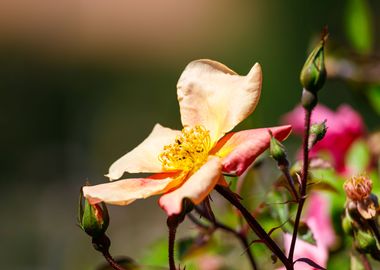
(239, 149)
(196, 188)
(318, 254)
(344, 127)
(212, 95)
(144, 158)
(319, 220)
(123, 192)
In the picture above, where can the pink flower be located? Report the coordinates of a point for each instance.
(319, 221)
(344, 127)
(213, 99)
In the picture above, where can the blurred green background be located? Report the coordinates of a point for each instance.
(82, 82)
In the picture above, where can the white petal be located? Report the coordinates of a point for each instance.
(212, 95)
(144, 158)
(123, 192)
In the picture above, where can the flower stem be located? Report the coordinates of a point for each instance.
(102, 244)
(255, 226)
(305, 170)
(238, 234)
(172, 223)
(111, 261)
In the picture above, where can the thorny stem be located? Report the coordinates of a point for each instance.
(305, 170)
(255, 226)
(172, 223)
(111, 261)
(238, 234)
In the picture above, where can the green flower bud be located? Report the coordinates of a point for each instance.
(317, 133)
(365, 242)
(313, 74)
(93, 218)
(277, 151)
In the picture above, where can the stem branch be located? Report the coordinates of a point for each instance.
(255, 226)
(305, 170)
(111, 261)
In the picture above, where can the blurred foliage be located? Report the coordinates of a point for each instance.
(359, 26)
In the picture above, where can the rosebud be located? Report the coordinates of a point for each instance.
(277, 151)
(313, 74)
(93, 218)
(317, 133)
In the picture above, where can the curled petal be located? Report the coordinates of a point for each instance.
(239, 149)
(212, 95)
(123, 192)
(196, 188)
(144, 158)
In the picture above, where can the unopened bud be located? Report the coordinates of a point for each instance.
(317, 133)
(277, 151)
(93, 218)
(313, 74)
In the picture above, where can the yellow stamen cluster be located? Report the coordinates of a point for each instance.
(189, 151)
(358, 187)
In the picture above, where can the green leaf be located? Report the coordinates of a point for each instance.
(320, 185)
(373, 94)
(358, 157)
(359, 28)
(306, 234)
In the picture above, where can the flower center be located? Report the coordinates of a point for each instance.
(189, 151)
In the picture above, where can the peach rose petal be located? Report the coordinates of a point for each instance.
(196, 188)
(239, 149)
(212, 95)
(144, 158)
(123, 192)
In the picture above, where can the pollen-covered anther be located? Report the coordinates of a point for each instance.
(358, 187)
(188, 152)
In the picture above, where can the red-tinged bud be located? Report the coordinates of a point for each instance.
(93, 218)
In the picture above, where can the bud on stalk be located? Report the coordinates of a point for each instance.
(93, 218)
(313, 74)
